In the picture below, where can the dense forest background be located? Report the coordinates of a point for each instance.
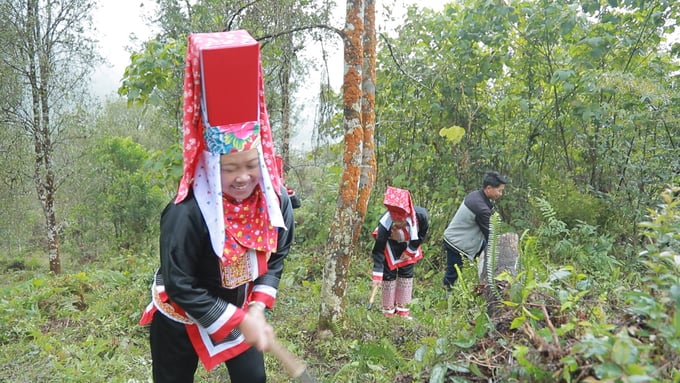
(576, 102)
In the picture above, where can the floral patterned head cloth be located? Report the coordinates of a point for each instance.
(214, 123)
(236, 139)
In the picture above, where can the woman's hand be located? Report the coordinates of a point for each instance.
(255, 328)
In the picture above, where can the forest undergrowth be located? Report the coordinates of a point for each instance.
(586, 318)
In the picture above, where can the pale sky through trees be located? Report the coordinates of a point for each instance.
(117, 20)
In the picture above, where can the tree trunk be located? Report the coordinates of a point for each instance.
(341, 236)
(285, 75)
(52, 55)
(368, 165)
(506, 260)
(39, 76)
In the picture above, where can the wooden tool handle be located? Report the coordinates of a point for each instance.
(375, 290)
(372, 298)
(291, 363)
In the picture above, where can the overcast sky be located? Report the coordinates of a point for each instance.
(117, 20)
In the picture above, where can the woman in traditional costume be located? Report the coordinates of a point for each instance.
(225, 235)
(398, 238)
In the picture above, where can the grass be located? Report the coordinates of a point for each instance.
(586, 321)
(81, 326)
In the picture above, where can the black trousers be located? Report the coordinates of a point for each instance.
(453, 259)
(175, 361)
(402, 272)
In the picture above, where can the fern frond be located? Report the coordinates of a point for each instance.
(492, 254)
(555, 226)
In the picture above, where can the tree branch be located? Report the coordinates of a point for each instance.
(400, 67)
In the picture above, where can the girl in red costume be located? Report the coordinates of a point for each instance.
(225, 235)
(398, 238)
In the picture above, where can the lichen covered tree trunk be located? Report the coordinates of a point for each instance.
(368, 165)
(342, 232)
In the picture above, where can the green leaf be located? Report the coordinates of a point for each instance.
(438, 374)
(465, 343)
(474, 368)
(481, 325)
(591, 346)
(561, 75)
(457, 368)
(453, 134)
(420, 353)
(621, 353)
(608, 370)
(517, 322)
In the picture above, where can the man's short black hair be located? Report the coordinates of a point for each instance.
(493, 179)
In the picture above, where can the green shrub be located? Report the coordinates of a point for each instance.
(571, 204)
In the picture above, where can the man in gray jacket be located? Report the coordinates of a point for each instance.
(468, 231)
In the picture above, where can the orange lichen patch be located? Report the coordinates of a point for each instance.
(349, 182)
(369, 94)
(353, 140)
(352, 89)
(353, 76)
(353, 57)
